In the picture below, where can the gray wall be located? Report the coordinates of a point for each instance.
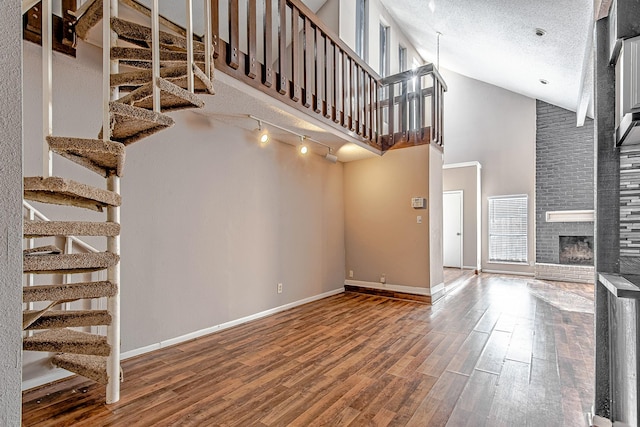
(10, 214)
(564, 176)
(497, 128)
(211, 221)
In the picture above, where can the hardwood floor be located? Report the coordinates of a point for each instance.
(493, 352)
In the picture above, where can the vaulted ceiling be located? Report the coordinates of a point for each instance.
(495, 41)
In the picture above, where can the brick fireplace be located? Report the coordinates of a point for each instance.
(564, 196)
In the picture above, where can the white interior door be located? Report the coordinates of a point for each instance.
(452, 232)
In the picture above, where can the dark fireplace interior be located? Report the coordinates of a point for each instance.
(576, 250)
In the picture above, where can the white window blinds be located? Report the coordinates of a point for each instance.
(508, 229)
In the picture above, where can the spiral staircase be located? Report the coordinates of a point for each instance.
(143, 81)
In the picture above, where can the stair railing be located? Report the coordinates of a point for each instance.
(283, 49)
(71, 243)
(411, 108)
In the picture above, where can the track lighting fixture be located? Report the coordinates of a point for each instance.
(331, 157)
(264, 134)
(302, 148)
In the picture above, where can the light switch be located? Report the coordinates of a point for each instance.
(419, 219)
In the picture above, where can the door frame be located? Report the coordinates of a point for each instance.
(461, 193)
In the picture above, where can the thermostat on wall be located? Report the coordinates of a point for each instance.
(418, 202)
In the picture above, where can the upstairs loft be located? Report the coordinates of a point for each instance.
(314, 84)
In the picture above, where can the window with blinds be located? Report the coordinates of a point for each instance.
(508, 229)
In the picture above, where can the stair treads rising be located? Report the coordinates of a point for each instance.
(102, 157)
(92, 367)
(62, 191)
(33, 229)
(68, 341)
(75, 291)
(176, 75)
(69, 263)
(89, 20)
(141, 36)
(143, 54)
(130, 124)
(172, 97)
(69, 319)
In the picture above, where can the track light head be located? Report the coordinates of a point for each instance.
(264, 134)
(303, 148)
(331, 157)
(264, 137)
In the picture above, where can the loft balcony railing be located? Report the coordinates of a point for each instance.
(283, 49)
(411, 108)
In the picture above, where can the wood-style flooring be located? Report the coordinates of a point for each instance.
(495, 351)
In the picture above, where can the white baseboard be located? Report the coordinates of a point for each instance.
(59, 373)
(397, 288)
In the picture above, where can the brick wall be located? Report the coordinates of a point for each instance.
(630, 209)
(564, 176)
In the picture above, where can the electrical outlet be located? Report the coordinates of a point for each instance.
(351, 274)
(279, 288)
(383, 278)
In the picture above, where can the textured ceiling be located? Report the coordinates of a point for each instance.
(495, 41)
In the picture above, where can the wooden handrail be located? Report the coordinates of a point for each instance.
(298, 4)
(409, 74)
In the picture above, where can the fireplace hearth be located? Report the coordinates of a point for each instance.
(576, 250)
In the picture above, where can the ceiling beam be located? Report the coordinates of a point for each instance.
(586, 81)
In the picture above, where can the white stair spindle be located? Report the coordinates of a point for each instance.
(106, 71)
(155, 54)
(113, 303)
(47, 88)
(190, 63)
(66, 278)
(207, 38)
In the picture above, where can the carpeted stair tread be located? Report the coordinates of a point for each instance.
(176, 75)
(68, 263)
(42, 250)
(34, 229)
(130, 124)
(67, 341)
(102, 157)
(62, 191)
(68, 319)
(141, 35)
(70, 291)
(172, 97)
(89, 20)
(145, 55)
(92, 367)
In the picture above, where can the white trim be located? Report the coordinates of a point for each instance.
(462, 165)
(469, 267)
(397, 288)
(435, 289)
(587, 215)
(511, 273)
(58, 373)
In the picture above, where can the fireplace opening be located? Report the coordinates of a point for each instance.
(576, 250)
